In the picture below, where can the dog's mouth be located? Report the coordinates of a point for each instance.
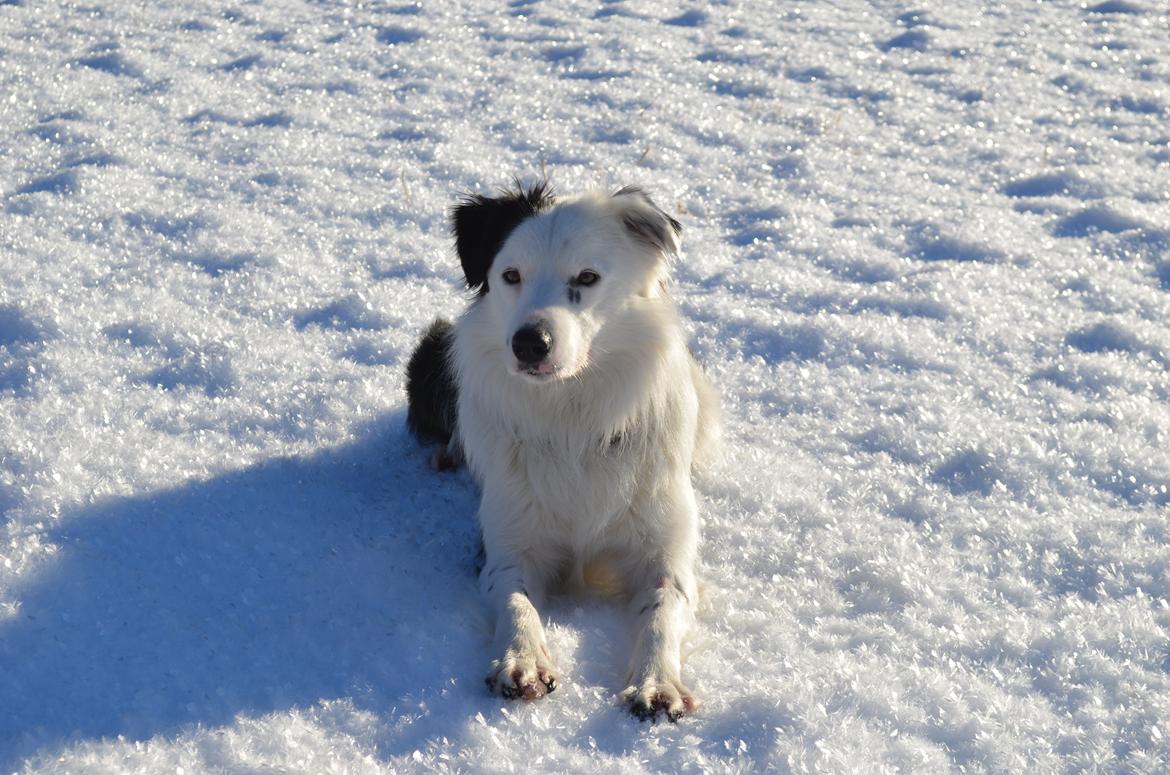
(550, 372)
(537, 371)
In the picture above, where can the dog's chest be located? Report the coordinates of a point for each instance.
(578, 485)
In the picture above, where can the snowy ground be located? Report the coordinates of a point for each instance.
(928, 266)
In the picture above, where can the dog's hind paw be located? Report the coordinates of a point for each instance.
(667, 697)
(521, 677)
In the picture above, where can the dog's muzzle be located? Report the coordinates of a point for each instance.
(531, 345)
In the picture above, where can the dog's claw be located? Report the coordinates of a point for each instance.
(518, 681)
(673, 702)
(643, 712)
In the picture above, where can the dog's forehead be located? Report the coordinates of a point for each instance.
(569, 231)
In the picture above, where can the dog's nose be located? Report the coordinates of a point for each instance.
(532, 344)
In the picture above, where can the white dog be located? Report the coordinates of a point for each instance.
(568, 387)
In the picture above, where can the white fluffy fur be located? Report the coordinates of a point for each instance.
(587, 472)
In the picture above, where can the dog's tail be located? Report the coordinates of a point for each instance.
(432, 394)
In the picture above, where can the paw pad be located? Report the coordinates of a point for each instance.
(514, 679)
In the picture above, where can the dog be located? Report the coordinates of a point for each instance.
(568, 387)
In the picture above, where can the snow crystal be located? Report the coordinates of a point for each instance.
(927, 264)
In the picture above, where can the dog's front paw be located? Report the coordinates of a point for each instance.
(654, 695)
(522, 675)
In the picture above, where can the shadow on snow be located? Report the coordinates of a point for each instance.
(343, 574)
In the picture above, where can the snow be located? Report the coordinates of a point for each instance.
(927, 264)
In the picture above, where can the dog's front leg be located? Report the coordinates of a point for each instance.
(523, 667)
(662, 604)
(664, 611)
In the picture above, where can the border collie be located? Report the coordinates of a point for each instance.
(568, 388)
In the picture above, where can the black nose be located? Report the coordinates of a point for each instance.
(532, 344)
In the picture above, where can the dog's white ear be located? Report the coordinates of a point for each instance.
(646, 221)
(481, 224)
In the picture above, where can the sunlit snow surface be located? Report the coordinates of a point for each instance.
(927, 263)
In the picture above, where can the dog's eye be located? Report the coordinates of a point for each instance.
(511, 276)
(587, 278)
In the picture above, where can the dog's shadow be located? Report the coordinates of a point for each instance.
(341, 575)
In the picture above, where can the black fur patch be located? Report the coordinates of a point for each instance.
(481, 224)
(649, 223)
(430, 386)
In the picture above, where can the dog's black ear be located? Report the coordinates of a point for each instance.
(647, 222)
(481, 224)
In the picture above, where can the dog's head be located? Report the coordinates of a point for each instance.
(554, 275)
